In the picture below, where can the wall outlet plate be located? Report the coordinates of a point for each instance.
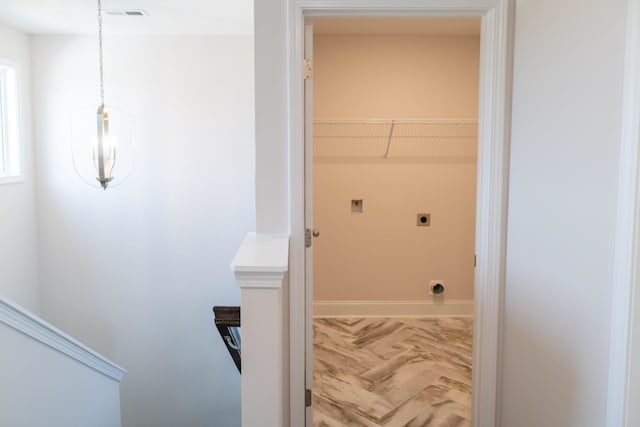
(424, 220)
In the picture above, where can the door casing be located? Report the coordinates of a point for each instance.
(624, 351)
(496, 60)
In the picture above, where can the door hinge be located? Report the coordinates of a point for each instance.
(308, 69)
(308, 237)
(475, 259)
(307, 398)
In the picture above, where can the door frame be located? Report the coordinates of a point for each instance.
(624, 351)
(494, 115)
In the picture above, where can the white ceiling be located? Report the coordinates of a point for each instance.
(225, 17)
(441, 26)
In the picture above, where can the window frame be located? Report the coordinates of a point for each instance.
(11, 164)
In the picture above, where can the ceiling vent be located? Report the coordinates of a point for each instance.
(126, 12)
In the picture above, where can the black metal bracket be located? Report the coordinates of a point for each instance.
(227, 321)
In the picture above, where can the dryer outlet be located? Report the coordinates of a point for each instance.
(436, 288)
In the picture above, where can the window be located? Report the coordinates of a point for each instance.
(10, 162)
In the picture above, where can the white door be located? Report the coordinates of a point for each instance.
(308, 210)
(493, 159)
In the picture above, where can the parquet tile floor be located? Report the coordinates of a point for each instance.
(411, 372)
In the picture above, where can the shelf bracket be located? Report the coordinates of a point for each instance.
(386, 154)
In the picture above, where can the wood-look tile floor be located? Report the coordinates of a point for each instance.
(413, 372)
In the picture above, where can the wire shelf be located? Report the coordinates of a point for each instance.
(395, 138)
(379, 128)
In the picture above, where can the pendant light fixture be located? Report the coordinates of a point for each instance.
(104, 154)
(106, 158)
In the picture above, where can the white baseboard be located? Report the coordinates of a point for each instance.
(458, 308)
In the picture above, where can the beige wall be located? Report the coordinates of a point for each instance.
(395, 77)
(381, 254)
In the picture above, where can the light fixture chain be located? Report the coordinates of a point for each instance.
(100, 49)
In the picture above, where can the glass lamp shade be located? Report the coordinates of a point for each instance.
(103, 145)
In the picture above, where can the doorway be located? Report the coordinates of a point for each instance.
(493, 131)
(395, 104)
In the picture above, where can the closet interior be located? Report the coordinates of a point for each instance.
(395, 130)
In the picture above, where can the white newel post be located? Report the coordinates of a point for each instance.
(261, 268)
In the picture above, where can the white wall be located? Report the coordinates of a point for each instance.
(49, 379)
(18, 250)
(566, 109)
(381, 254)
(566, 125)
(42, 387)
(271, 110)
(134, 271)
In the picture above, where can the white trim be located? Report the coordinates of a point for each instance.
(257, 280)
(308, 206)
(261, 261)
(12, 179)
(260, 267)
(262, 253)
(13, 117)
(493, 154)
(626, 280)
(451, 308)
(29, 324)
